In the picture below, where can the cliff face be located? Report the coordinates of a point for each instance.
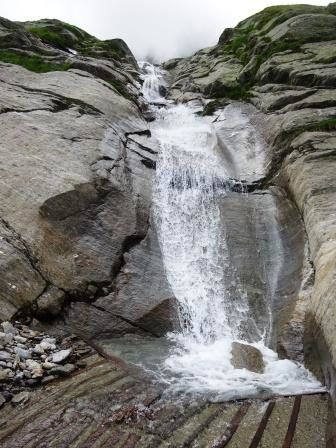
(283, 61)
(76, 167)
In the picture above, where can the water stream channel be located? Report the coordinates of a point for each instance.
(228, 256)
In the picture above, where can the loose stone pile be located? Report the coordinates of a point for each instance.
(29, 358)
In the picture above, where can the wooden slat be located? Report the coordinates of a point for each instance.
(260, 431)
(292, 422)
(233, 426)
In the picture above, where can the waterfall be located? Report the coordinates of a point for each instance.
(191, 181)
(152, 80)
(188, 220)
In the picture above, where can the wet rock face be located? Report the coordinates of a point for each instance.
(266, 257)
(20, 282)
(77, 162)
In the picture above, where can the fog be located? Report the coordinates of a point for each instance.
(162, 29)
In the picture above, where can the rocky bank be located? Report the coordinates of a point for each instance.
(76, 167)
(78, 251)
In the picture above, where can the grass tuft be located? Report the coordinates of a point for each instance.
(33, 63)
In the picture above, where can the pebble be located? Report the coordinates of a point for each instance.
(46, 345)
(22, 353)
(38, 349)
(60, 356)
(33, 382)
(29, 334)
(20, 339)
(37, 373)
(49, 340)
(4, 356)
(6, 338)
(48, 365)
(4, 374)
(47, 379)
(29, 358)
(65, 370)
(32, 365)
(9, 328)
(19, 375)
(20, 398)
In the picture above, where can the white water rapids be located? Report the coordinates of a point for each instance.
(190, 178)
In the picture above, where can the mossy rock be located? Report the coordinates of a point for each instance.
(276, 29)
(212, 106)
(65, 36)
(32, 62)
(110, 49)
(220, 90)
(55, 32)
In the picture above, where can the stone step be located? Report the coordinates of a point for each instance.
(104, 406)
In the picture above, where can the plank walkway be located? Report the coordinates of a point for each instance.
(104, 406)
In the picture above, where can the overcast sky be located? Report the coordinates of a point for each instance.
(161, 28)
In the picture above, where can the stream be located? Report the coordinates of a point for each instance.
(192, 213)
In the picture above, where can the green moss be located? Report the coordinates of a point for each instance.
(235, 92)
(329, 124)
(284, 12)
(326, 125)
(212, 106)
(80, 34)
(51, 37)
(279, 47)
(238, 93)
(251, 33)
(56, 33)
(113, 48)
(33, 63)
(239, 43)
(63, 35)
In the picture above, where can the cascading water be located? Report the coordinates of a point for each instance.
(190, 181)
(152, 80)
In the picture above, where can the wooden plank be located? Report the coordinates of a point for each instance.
(233, 426)
(260, 431)
(292, 422)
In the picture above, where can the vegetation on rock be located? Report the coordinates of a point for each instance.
(64, 36)
(33, 63)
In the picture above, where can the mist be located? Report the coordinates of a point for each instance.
(160, 29)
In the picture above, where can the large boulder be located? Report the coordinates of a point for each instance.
(245, 356)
